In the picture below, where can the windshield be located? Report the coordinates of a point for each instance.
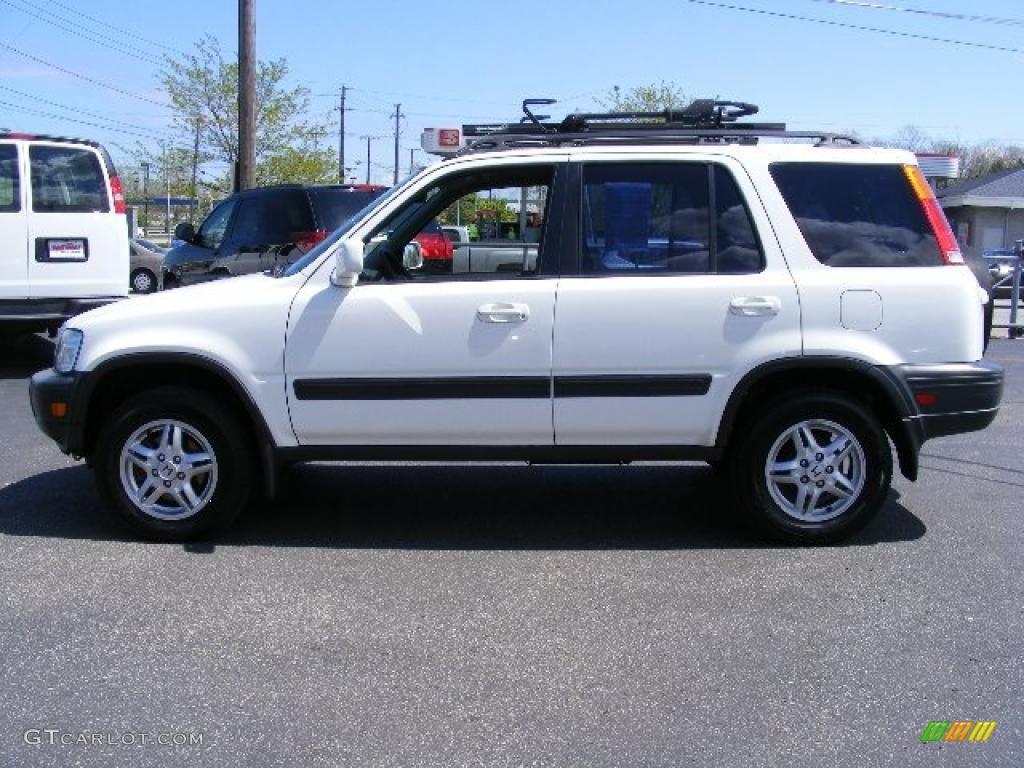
(343, 228)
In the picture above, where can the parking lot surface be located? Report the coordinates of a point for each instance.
(421, 615)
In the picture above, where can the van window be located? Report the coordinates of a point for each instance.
(858, 215)
(10, 189)
(67, 180)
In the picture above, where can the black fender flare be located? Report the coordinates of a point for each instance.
(903, 428)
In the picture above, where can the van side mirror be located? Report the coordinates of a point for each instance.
(348, 263)
(184, 231)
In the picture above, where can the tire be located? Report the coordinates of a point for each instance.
(143, 281)
(837, 498)
(198, 497)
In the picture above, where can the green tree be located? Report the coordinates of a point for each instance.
(473, 209)
(655, 97)
(975, 159)
(203, 92)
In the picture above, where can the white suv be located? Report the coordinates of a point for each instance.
(699, 292)
(62, 228)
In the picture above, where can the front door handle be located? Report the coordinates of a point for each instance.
(502, 312)
(755, 306)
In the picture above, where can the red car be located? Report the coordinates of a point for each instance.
(438, 252)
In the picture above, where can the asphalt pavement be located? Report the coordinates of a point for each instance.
(439, 615)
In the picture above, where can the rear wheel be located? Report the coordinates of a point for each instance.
(143, 281)
(173, 464)
(815, 468)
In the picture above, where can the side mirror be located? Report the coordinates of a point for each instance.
(412, 256)
(184, 231)
(348, 263)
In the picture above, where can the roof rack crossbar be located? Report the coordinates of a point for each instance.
(667, 135)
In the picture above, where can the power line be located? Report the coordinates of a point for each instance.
(76, 120)
(828, 22)
(92, 37)
(80, 76)
(122, 30)
(430, 97)
(79, 111)
(922, 12)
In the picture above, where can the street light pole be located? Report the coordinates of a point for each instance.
(368, 140)
(145, 192)
(167, 200)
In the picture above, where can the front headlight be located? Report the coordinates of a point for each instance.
(68, 346)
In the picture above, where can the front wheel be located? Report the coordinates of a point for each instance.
(816, 468)
(173, 464)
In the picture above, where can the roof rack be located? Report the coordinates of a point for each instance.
(703, 121)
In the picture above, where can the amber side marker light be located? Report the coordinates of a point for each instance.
(949, 249)
(58, 410)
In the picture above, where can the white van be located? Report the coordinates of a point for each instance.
(63, 234)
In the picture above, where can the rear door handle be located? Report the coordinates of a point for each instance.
(755, 306)
(502, 312)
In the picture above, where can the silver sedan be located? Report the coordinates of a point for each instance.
(146, 258)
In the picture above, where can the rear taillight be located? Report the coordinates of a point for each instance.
(949, 249)
(117, 192)
(307, 241)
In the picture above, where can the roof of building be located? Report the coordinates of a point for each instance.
(1008, 183)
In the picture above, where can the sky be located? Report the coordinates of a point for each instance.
(90, 67)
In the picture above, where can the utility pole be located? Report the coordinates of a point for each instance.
(398, 115)
(411, 150)
(246, 176)
(368, 140)
(341, 136)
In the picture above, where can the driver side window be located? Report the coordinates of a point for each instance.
(501, 212)
(211, 233)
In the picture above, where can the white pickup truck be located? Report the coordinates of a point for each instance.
(490, 255)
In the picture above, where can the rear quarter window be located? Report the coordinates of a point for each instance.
(67, 180)
(335, 206)
(858, 215)
(272, 217)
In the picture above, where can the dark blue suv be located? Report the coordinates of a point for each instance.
(261, 229)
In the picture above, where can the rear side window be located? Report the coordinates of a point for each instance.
(67, 180)
(669, 218)
(336, 206)
(858, 215)
(272, 218)
(737, 246)
(10, 187)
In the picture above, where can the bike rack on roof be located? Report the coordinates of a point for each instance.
(701, 121)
